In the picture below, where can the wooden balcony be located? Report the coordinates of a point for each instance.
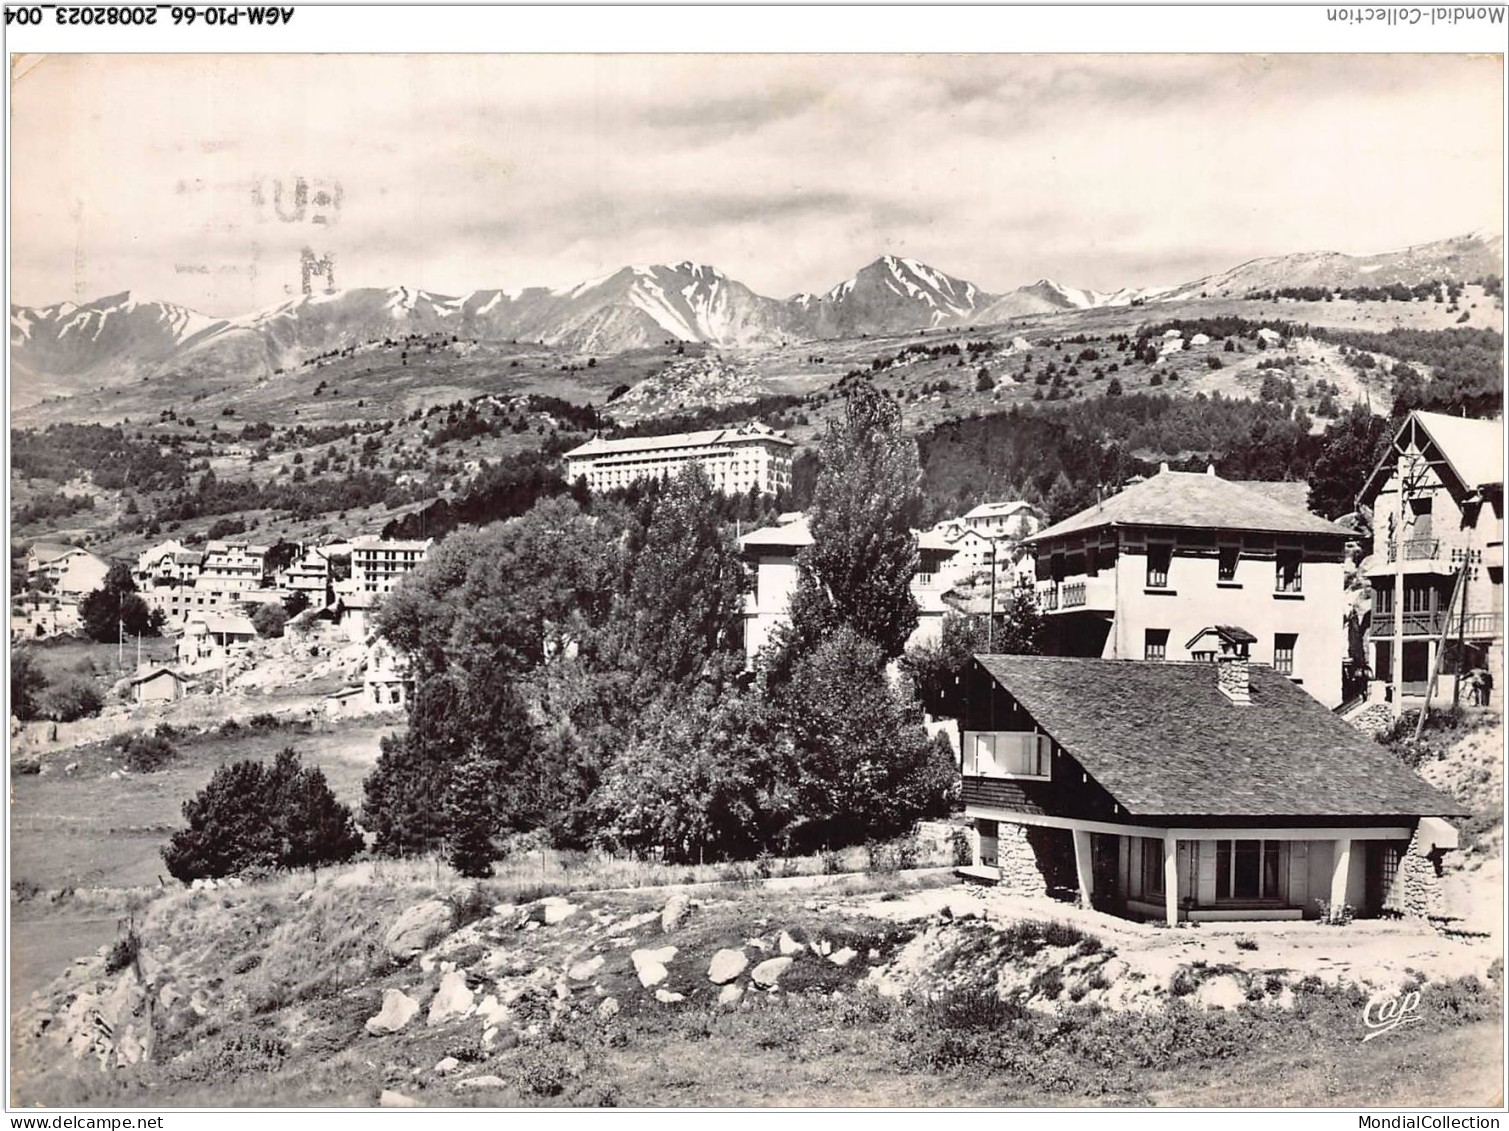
(1077, 595)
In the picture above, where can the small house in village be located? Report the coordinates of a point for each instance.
(389, 678)
(159, 685)
(212, 637)
(1213, 789)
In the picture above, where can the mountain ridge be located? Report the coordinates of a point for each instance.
(121, 337)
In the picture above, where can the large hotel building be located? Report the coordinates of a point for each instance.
(735, 459)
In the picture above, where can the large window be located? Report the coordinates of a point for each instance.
(1155, 644)
(1152, 866)
(1290, 576)
(1283, 652)
(1008, 754)
(1158, 560)
(1248, 869)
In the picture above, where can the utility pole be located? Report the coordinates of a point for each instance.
(990, 622)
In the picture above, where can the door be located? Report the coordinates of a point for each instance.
(1105, 866)
(1416, 672)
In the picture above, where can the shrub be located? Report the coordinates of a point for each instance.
(269, 620)
(1246, 942)
(144, 753)
(71, 698)
(253, 815)
(833, 862)
(962, 849)
(124, 951)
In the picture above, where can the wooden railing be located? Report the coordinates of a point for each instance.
(1432, 624)
(1047, 598)
(1073, 594)
(1415, 549)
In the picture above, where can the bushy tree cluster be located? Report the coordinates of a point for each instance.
(256, 815)
(116, 611)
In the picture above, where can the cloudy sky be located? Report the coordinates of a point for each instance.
(175, 176)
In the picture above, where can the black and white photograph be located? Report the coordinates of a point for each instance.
(788, 580)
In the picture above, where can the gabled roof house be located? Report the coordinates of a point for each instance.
(1190, 791)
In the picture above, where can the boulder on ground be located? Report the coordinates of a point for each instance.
(788, 945)
(650, 965)
(395, 1099)
(398, 1009)
(556, 910)
(419, 928)
(726, 965)
(583, 970)
(843, 957)
(453, 999)
(666, 997)
(768, 973)
(675, 912)
(608, 1008)
(730, 994)
(446, 1065)
(482, 1082)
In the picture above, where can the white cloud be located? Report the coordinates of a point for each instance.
(786, 171)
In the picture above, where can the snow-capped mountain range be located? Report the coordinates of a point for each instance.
(120, 337)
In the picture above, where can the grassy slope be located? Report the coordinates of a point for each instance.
(87, 830)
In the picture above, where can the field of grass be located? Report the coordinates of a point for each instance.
(86, 829)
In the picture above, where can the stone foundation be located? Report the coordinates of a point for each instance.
(1020, 873)
(1417, 889)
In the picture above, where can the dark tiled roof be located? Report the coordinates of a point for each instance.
(1188, 498)
(1164, 741)
(1291, 494)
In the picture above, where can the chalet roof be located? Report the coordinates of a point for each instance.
(52, 551)
(746, 433)
(1164, 741)
(219, 546)
(994, 510)
(1475, 448)
(231, 624)
(360, 599)
(1292, 493)
(345, 693)
(148, 676)
(793, 534)
(1193, 499)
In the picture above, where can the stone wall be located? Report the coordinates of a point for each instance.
(1417, 889)
(1020, 873)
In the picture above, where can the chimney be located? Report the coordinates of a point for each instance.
(1210, 469)
(1163, 467)
(1232, 676)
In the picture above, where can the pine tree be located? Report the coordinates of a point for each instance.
(471, 817)
(868, 499)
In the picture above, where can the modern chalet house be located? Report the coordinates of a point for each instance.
(1437, 567)
(1213, 789)
(1137, 576)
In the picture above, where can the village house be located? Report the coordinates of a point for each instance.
(1141, 573)
(352, 611)
(70, 571)
(747, 457)
(771, 553)
(389, 677)
(1013, 520)
(378, 565)
(1190, 791)
(211, 638)
(159, 685)
(232, 566)
(309, 574)
(169, 563)
(1437, 563)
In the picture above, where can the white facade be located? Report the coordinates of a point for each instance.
(377, 566)
(1014, 520)
(232, 565)
(736, 460)
(1140, 576)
